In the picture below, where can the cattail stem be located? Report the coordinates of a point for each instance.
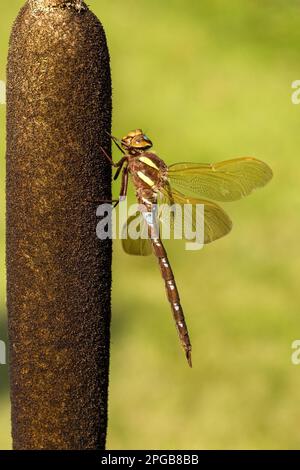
(58, 272)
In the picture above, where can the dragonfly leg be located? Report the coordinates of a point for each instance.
(120, 167)
(123, 192)
(108, 157)
(102, 201)
(116, 165)
(115, 140)
(124, 186)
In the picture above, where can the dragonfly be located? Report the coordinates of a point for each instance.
(181, 183)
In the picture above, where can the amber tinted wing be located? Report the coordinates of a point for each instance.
(216, 222)
(134, 236)
(224, 181)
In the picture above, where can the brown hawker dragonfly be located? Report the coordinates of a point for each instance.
(182, 183)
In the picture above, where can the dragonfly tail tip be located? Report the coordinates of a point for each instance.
(189, 358)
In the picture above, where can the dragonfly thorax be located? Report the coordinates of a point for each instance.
(148, 171)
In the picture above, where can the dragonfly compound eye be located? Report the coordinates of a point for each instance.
(142, 142)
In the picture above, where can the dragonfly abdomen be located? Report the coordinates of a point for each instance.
(173, 295)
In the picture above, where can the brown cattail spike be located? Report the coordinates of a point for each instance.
(58, 273)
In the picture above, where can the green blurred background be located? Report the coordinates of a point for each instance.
(207, 81)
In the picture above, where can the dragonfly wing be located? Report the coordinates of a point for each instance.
(215, 222)
(224, 181)
(135, 239)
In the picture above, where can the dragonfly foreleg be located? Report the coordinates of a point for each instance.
(116, 165)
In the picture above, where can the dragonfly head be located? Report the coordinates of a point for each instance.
(136, 141)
